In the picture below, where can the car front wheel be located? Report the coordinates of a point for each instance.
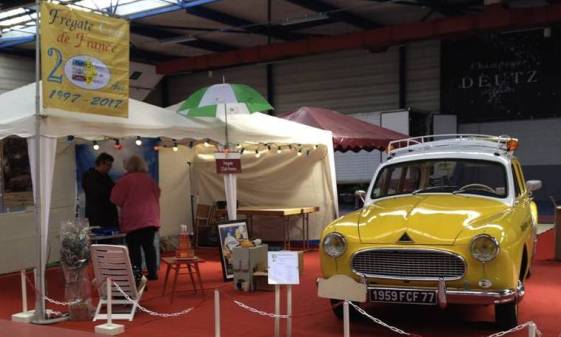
(506, 315)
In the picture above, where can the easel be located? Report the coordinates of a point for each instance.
(288, 310)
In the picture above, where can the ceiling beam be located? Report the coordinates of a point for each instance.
(147, 56)
(275, 31)
(200, 43)
(493, 18)
(444, 7)
(336, 13)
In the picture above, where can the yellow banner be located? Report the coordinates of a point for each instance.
(84, 61)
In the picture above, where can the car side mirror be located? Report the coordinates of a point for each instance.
(360, 194)
(533, 185)
(359, 198)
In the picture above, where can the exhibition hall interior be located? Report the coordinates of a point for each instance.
(280, 168)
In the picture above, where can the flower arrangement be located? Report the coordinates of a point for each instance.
(75, 244)
(74, 258)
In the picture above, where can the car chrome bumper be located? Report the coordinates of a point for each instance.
(482, 297)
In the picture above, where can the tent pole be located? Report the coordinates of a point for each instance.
(226, 120)
(40, 276)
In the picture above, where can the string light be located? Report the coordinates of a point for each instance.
(300, 152)
(279, 149)
(138, 141)
(175, 148)
(206, 143)
(257, 154)
(95, 146)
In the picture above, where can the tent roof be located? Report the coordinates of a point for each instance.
(147, 120)
(349, 133)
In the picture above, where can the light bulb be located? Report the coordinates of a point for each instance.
(95, 146)
(206, 143)
(300, 152)
(175, 148)
(279, 150)
(138, 141)
(257, 154)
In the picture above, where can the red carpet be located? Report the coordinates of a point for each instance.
(313, 316)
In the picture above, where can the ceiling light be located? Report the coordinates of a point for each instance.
(138, 141)
(177, 39)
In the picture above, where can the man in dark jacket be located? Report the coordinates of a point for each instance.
(97, 185)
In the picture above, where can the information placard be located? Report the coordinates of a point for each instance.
(283, 267)
(84, 61)
(228, 162)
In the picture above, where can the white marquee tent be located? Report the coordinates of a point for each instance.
(144, 120)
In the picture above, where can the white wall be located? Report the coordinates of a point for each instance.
(539, 150)
(423, 75)
(174, 182)
(349, 81)
(18, 242)
(15, 72)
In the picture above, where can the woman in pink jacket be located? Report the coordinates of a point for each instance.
(138, 196)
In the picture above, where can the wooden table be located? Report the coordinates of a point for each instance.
(286, 213)
(192, 265)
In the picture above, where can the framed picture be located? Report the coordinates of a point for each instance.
(230, 233)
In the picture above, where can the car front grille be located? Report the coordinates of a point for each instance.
(409, 264)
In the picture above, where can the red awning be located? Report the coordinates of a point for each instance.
(349, 133)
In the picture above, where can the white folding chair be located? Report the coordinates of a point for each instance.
(113, 261)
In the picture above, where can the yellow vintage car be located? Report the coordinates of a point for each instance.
(446, 219)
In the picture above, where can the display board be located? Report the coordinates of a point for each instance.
(502, 76)
(84, 61)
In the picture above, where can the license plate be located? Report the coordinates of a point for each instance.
(427, 297)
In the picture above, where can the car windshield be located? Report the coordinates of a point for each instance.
(455, 176)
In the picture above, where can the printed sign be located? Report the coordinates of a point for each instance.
(228, 163)
(283, 267)
(502, 76)
(84, 61)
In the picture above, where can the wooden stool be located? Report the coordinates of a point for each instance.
(192, 265)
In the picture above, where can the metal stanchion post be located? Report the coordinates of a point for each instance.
(558, 233)
(277, 310)
(109, 328)
(216, 313)
(532, 329)
(346, 325)
(24, 316)
(109, 302)
(289, 310)
(23, 291)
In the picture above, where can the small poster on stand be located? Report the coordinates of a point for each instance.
(231, 234)
(283, 267)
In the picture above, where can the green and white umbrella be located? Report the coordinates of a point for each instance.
(221, 100)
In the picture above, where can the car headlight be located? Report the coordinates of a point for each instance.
(334, 244)
(484, 248)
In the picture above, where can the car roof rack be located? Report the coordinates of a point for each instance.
(431, 142)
